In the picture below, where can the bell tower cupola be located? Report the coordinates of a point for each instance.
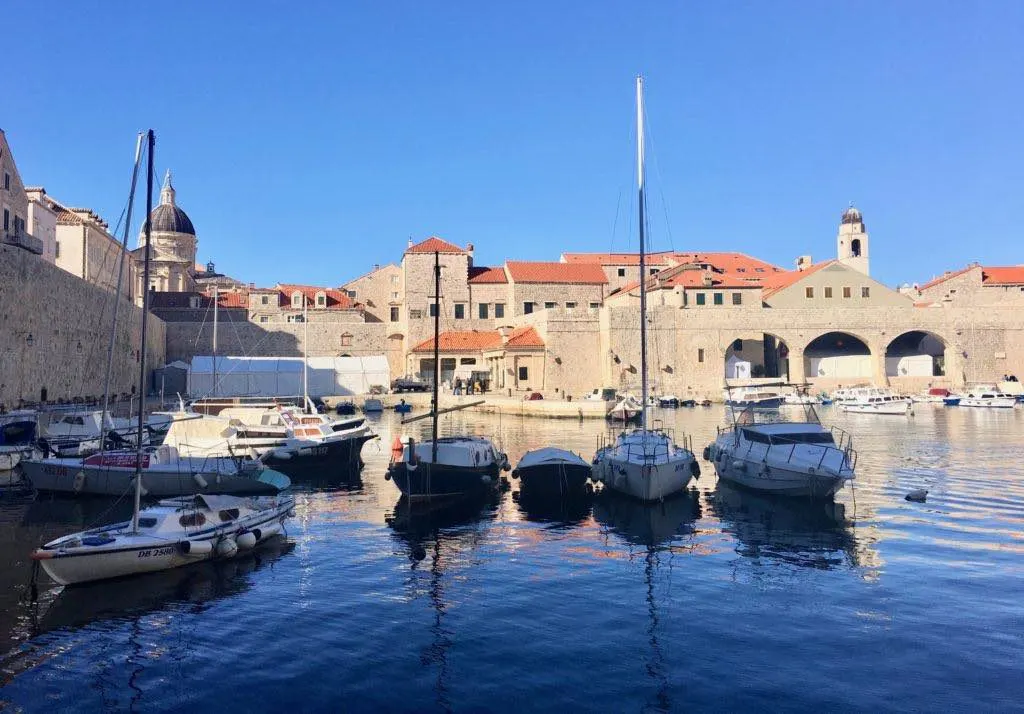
(852, 241)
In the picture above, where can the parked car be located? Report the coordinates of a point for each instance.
(409, 384)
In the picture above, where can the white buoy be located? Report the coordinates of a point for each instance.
(918, 495)
(246, 541)
(227, 548)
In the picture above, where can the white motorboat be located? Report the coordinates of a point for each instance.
(17, 442)
(172, 533)
(626, 410)
(552, 471)
(874, 400)
(798, 399)
(787, 458)
(988, 397)
(315, 440)
(934, 395)
(757, 397)
(79, 433)
(644, 463)
(847, 394)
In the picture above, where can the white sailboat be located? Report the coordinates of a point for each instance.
(644, 463)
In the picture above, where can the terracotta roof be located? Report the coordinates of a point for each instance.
(679, 276)
(434, 245)
(482, 275)
(569, 273)
(66, 217)
(1003, 275)
(740, 263)
(336, 300)
(946, 276)
(467, 341)
(524, 337)
(167, 300)
(780, 281)
(616, 258)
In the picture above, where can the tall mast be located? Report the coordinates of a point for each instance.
(437, 350)
(305, 355)
(150, 143)
(120, 275)
(216, 300)
(643, 268)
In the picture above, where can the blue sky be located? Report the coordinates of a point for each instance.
(311, 140)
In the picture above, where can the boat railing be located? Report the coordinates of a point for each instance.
(845, 454)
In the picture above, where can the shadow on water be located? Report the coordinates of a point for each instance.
(317, 478)
(656, 529)
(437, 535)
(797, 531)
(566, 510)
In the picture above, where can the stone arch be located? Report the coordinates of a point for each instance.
(916, 353)
(838, 355)
(766, 355)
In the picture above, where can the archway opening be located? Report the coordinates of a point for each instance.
(916, 354)
(763, 357)
(838, 355)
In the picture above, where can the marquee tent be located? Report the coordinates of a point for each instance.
(282, 376)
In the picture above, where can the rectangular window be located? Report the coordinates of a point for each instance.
(265, 300)
(701, 298)
(394, 296)
(865, 292)
(700, 354)
(264, 318)
(56, 249)
(718, 299)
(460, 311)
(483, 311)
(846, 292)
(415, 314)
(321, 301)
(828, 292)
(737, 298)
(394, 280)
(621, 272)
(7, 219)
(653, 271)
(432, 310)
(550, 305)
(7, 181)
(524, 374)
(570, 306)
(499, 309)
(527, 308)
(809, 292)
(351, 293)
(394, 314)
(595, 306)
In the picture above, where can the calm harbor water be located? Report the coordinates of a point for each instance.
(721, 600)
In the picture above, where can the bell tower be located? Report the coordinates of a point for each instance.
(852, 241)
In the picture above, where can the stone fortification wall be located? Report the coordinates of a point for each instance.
(61, 311)
(572, 348)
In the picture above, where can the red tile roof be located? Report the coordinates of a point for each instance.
(466, 341)
(946, 276)
(168, 300)
(336, 300)
(524, 337)
(780, 281)
(435, 245)
(568, 273)
(481, 275)
(616, 258)
(1003, 275)
(730, 263)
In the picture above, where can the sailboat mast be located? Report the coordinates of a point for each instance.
(150, 143)
(437, 350)
(216, 300)
(305, 356)
(643, 262)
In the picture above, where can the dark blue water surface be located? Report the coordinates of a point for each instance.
(721, 600)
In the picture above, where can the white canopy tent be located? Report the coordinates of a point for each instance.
(282, 376)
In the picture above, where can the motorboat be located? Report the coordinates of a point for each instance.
(372, 405)
(80, 433)
(988, 397)
(552, 471)
(666, 401)
(403, 407)
(173, 533)
(17, 442)
(626, 410)
(847, 394)
(756, 397)
(444, 467)
(933, 395)
(786, 458)
(314, 439)
(345, 409)
(644, 463)
(798, 399)
(876, 400)
(164, 473)
(953, 400)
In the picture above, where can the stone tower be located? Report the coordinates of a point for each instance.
(852, 241)
(173, 253)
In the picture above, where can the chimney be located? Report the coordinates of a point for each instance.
(376, 267)
(469, 249)
(708, 280)
(410, 242)
(803, 262)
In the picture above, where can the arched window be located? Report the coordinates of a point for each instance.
(855, 247)
(296, 299)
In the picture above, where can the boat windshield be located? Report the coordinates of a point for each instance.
(810, 437)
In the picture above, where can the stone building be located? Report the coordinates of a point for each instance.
(172, 257)
(14, 204)
(974, 285)
(42, 221)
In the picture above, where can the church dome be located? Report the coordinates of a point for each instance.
(852, 215)
(168, 217)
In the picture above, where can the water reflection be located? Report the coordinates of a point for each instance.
(567, 510)
(796, 531)
(317, 478)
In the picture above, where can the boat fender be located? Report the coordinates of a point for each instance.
(486, 479)
(271, 529)
(79, 482)
(396, 450)
(198, 478)
(766, 471)
(708, 456)
(246, 541)
(226, 547)
(196, 547)
(282, 454)
(387, 475)
(695, 469)
(739, 466)
(810, 470)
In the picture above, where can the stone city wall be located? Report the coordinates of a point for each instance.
(61, 311)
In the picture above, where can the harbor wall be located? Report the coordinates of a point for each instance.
(69, 321)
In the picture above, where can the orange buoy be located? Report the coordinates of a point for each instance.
(396, 450)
